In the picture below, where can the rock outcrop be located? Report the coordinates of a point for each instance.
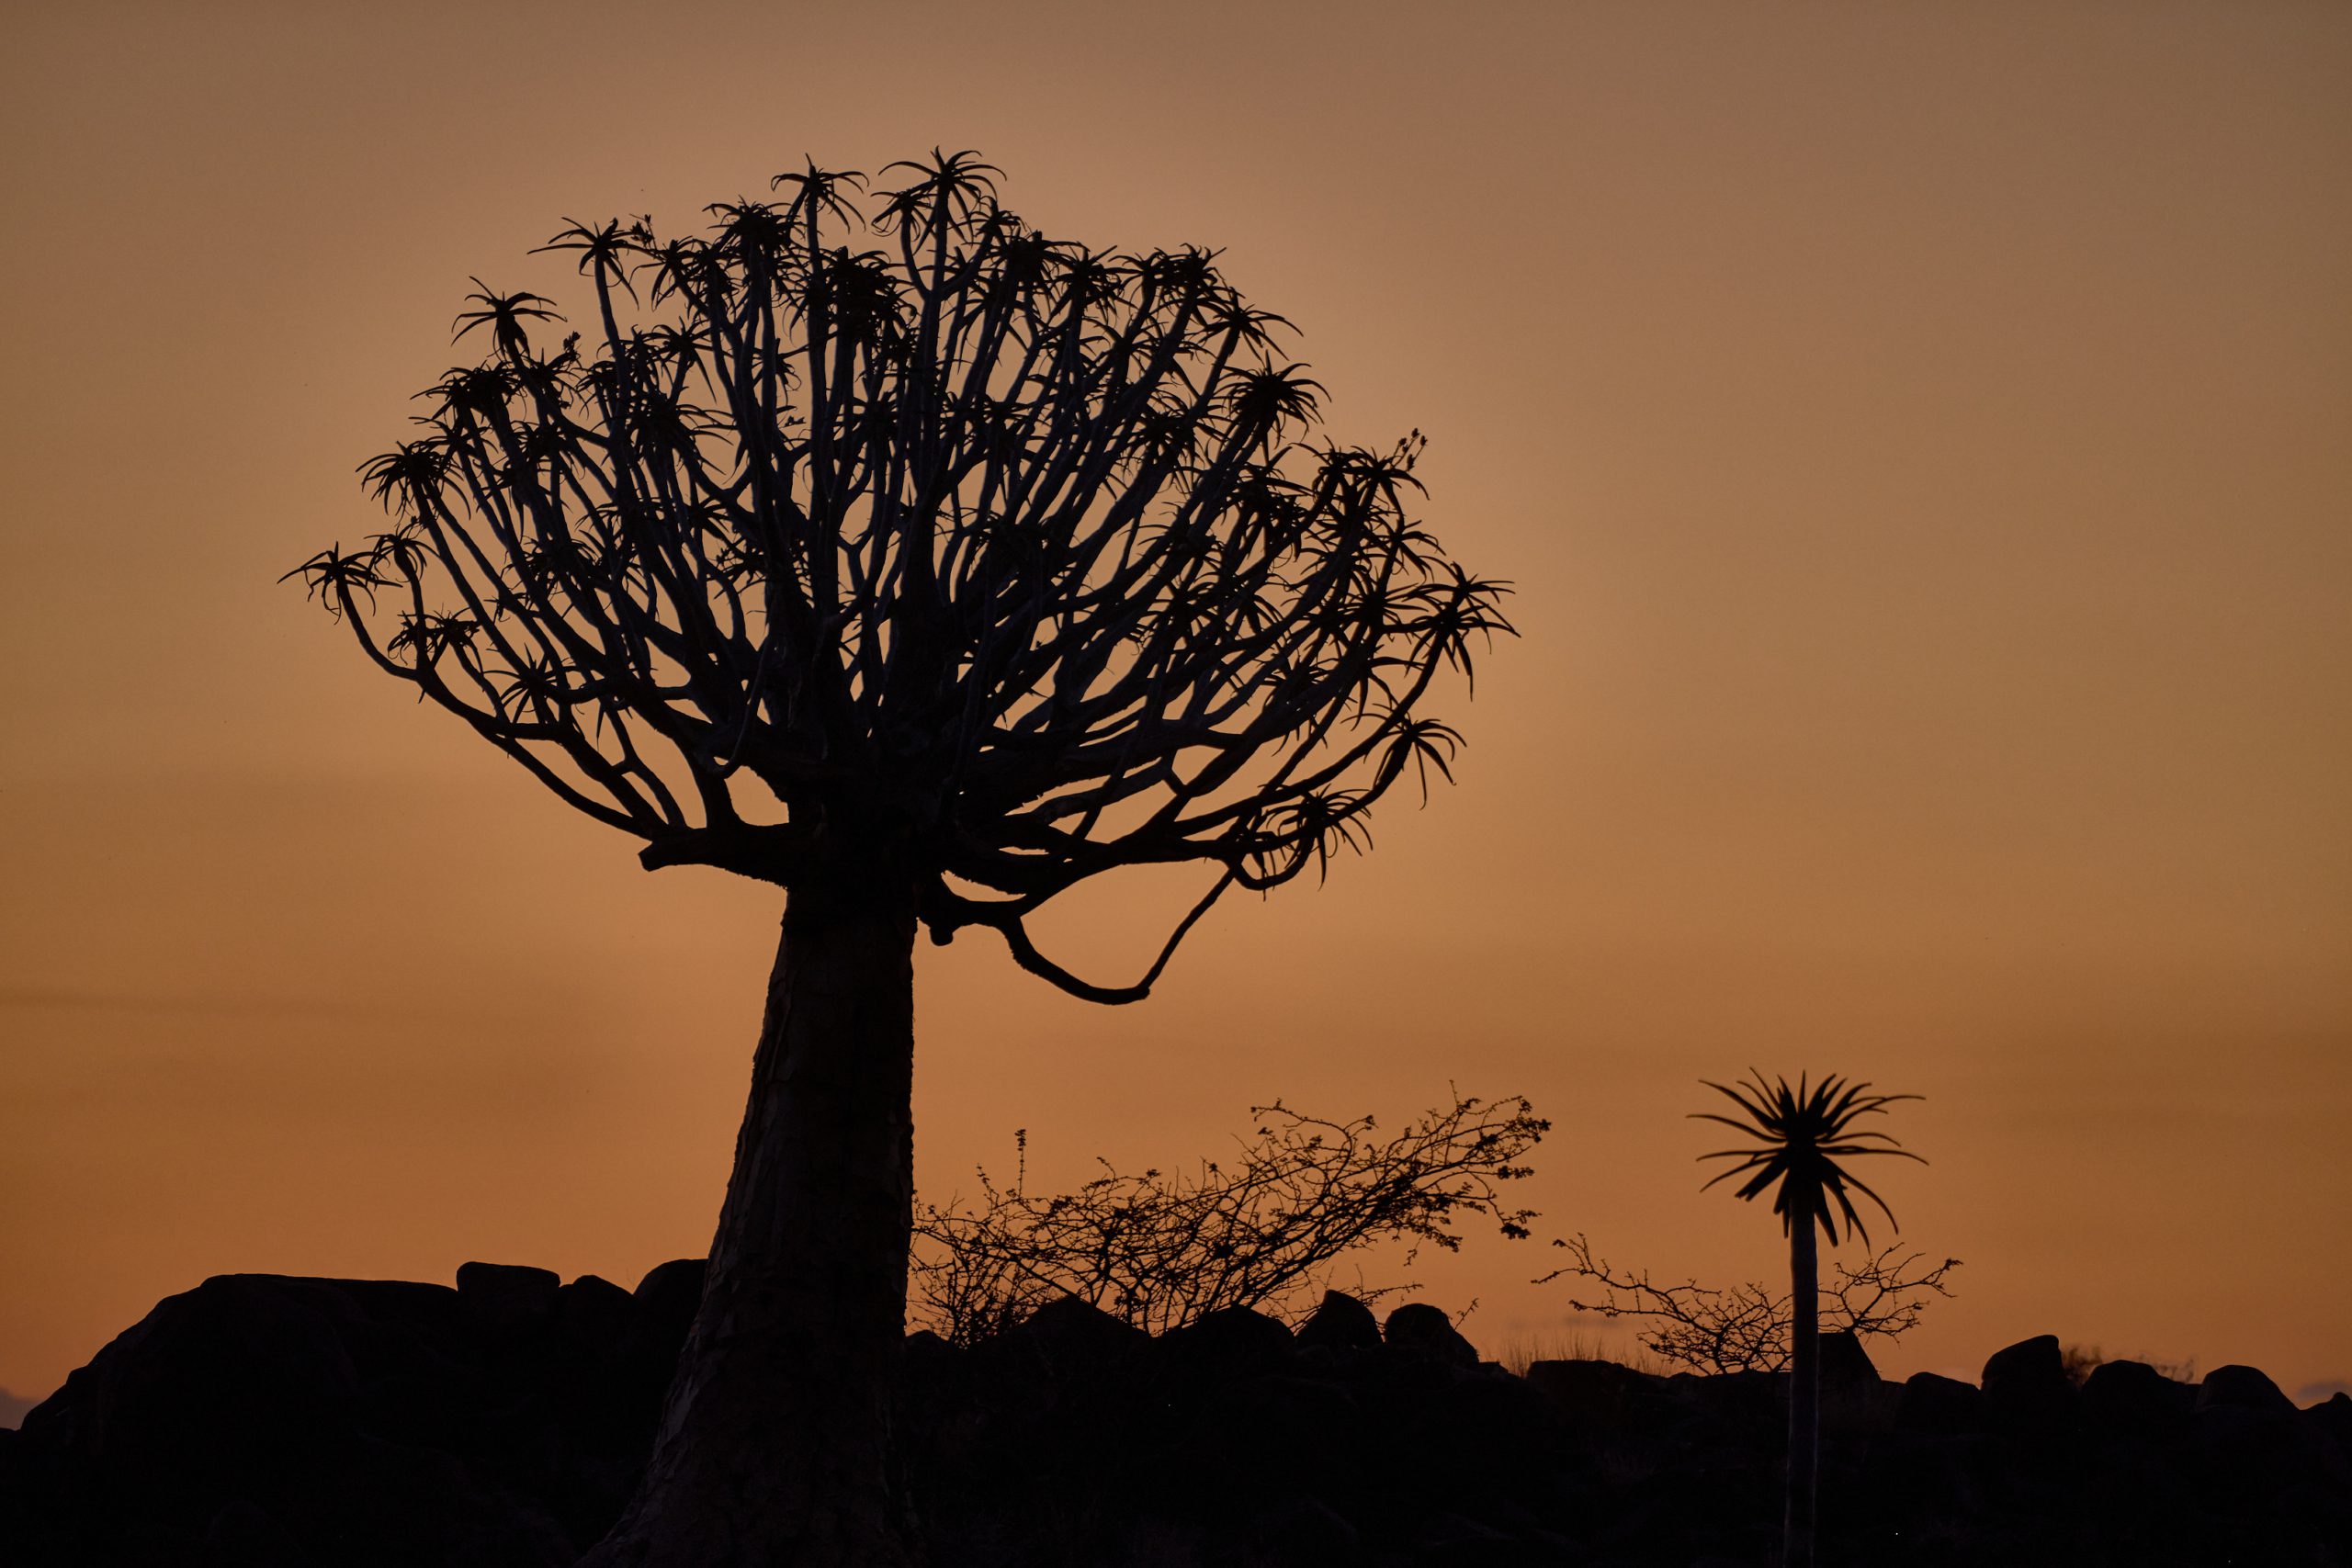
(277, 1423)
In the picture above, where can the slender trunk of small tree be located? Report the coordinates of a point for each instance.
(1805, 1390)
(773, 1450)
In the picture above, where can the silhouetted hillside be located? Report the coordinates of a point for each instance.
(270, 1422)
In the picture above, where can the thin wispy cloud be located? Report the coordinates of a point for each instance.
(69, 999)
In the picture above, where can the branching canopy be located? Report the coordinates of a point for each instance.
(890, 521)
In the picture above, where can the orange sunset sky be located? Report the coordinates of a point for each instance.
(1920, 434)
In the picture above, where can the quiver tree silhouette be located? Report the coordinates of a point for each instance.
(926, 567)
(1802, 1133)
(1255, 1229)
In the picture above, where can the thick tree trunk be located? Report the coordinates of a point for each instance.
(1804, 1392)
(773, 1450)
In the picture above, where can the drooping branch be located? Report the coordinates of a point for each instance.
(1025, 953)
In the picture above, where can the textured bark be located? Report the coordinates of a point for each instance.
(774, 1447)
(1805, 1392)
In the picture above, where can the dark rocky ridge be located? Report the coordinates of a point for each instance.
(271, 1422)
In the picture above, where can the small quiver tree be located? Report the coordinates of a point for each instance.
(1801, 1135)
(894, 554)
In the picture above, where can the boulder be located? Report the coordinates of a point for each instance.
(2332, 1416)
(2134, 1395)
(509, 1301)
(595, 1318)
(1938, 1406)
(189, 1376)
(2026, 1389)
(2242, 1388)
(1421, 1330)
(1340, 1321)
(1229, 1342)
(2030, 1363)
(667, 1298)
(2282, 1472)
(1078, 1338)
(1854, 1398)
(272, 1420)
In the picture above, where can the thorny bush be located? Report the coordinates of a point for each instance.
(1260, 1231)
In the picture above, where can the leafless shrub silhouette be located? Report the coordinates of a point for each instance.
(1255, 1231)
(1745, 1328)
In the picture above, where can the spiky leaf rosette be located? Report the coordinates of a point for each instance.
(1804, 1132)
(892, 517)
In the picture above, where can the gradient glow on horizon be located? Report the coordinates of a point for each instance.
(1921, 437)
